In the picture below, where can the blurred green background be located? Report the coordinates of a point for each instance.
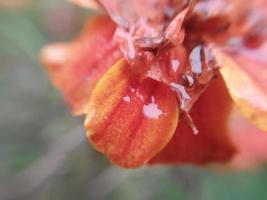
(44, 154)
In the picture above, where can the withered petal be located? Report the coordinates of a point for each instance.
(212, 144)
(75, 67)
(128, 120)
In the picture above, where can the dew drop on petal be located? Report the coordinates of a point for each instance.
(152, 110)
(132, 90)
(175, 65)
(195, 59)
(126, 99)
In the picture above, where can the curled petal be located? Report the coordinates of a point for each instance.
(128, 120)
(76, 67)
(212, 144)
(245, 76)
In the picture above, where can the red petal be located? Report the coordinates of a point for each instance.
(250, 141)
(128, 120)
(212, 143)
(76, 67)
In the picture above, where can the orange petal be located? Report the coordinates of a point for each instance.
(250, 142)
(76, 67)
(128, 120)
(92, 4)
(212, 143)
(245, 77)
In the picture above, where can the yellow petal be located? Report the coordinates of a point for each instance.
(247, 92)
(92, 4)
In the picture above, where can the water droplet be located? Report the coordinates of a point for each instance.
(175, 65)
(181, 90)
(189, 80)
(140, 96)
(127, 99)
(132, 90)
(152, 110)
(195, 59)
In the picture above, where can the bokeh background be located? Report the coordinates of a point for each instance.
(44, 154)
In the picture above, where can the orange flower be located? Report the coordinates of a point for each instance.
(157, 80)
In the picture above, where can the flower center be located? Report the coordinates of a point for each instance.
(172, 41)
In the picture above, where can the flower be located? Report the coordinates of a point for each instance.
(170, 81)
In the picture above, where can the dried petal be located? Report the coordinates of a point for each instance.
(129, 120)
(168, 66)
(212, 143)
(76, 67)
(130, 11)
(245, 77)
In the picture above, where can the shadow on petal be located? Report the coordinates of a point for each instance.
(212, 144)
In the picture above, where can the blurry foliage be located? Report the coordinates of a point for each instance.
(30, 108)
(33, 116)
